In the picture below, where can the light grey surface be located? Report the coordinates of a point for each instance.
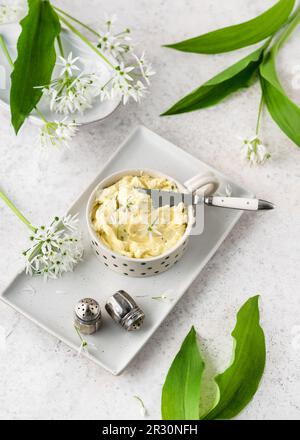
(42, 378)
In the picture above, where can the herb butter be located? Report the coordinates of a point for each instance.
(127, 223)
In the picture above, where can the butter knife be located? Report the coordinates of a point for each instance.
(162, 198)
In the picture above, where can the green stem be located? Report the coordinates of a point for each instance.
(141, 402)
(261, 105)
(5, 51)
(122, 33)
(85, 40)
(16, 211)
(77, 21)
(84, 343)
(41, 115)
(61, 49)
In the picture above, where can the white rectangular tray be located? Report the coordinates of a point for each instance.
(50, 305)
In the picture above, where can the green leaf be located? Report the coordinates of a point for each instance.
(284, 111)
(238, 384)
(181, 391)
(216, 89)
(240, 35)
(35, 61)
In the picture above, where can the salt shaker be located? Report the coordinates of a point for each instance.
(87, 316)
(123, 309)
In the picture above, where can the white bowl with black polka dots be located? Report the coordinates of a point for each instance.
(145, 267)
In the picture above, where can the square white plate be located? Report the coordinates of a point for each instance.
(50, 305)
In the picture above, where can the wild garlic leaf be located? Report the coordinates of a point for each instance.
(216, 89)
(240, 35)
(35, 61)
(181, 391)
(238, 384)
(284, 112)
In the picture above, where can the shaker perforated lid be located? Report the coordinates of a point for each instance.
(87, 310)
(87, 316)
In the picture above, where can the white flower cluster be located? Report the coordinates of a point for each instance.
(57, 133)
(70, 93)
(56, 249)
(254, 152)
(12, 11)
(131, 75)
(115, 43)
(127, 80)
(75, 91)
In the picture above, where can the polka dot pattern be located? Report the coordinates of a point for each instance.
(137, 268)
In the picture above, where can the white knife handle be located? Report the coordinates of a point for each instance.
(232, 202)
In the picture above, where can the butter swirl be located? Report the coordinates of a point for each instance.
(127, 223)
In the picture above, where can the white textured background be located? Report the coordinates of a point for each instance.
(41, 377)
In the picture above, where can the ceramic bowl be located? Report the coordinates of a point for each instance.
(144, 267)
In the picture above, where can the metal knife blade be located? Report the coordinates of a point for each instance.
(162, 198)
(171, 198)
